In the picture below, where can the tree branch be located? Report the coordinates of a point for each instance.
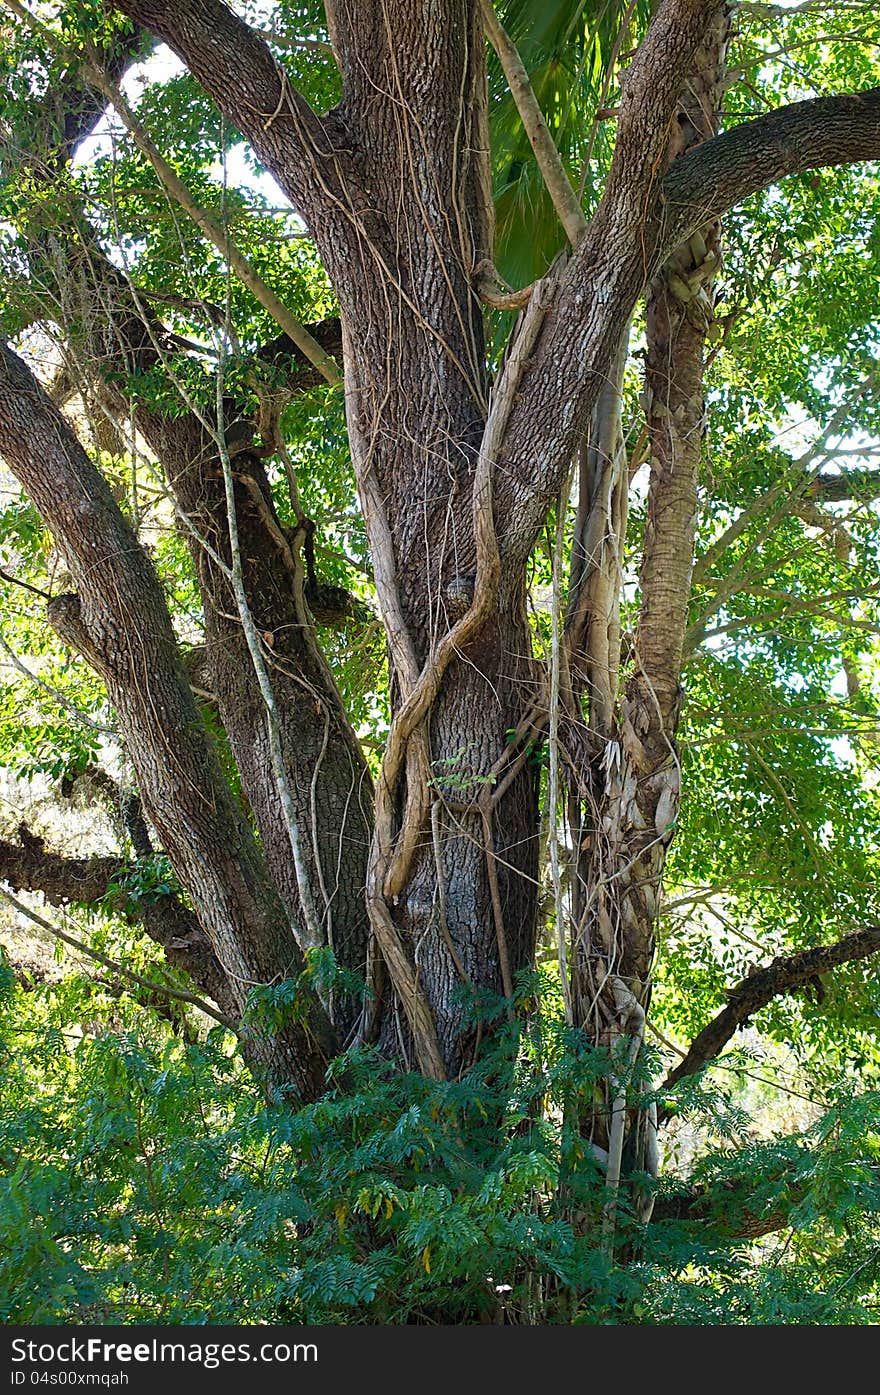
(29, 865)
(163, 989)
(650, 92)
(238, 70)
(564, 199)
(855, 485)
(120, 620)
(758, 989)
(627, 242)
(212, 228)
(67, 114)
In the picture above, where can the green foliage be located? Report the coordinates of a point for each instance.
(146, 880)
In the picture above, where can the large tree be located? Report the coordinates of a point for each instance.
(470, 407)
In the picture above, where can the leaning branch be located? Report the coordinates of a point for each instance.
(564, 199)
(216, 233)
(236, 67)
(62, 880)
(754, 992)
(163, 989)
(119, 621)
(720, 173)
(210, 226)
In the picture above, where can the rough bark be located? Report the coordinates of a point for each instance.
(402, 270)
(324, 764)
(29, 865)
(326, 772)
(623, 808)
(323, 760)
(119, 621)
(787, 973)
(416, 425)
(393, 185)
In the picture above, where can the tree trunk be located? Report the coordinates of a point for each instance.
(623, 834)
(457, 476)
(119, 621)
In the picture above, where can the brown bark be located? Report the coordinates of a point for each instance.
(623, 808)
(402, 269)
(640, 780)
(393, 186)
(323, 760)
(119, 621)
(616, 259)
(849, 485)
(643, 215)
(326, 772)
(643, 788)
(324, 764)
(29, 865)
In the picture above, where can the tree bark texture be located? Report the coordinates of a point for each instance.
(456, 473)
(119, 621)
(323, 761)
(29, 865)
(623, 814)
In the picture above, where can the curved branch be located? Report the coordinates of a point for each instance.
(757, 989)
(163, 989)
(236, 67)
(802, 136)
(629, 239)
(29, 865)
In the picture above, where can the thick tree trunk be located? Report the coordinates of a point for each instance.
(416, 422)
(636, 787)
(455, 485)
(468, 909)
(456, 479)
